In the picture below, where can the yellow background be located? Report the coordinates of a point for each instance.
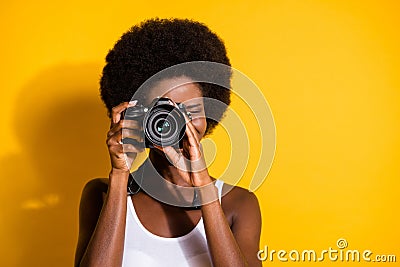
(329, 70)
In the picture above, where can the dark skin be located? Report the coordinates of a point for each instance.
(232, 227)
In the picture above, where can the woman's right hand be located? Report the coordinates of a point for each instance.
(123, 155)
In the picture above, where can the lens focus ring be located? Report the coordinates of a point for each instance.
(164, 125)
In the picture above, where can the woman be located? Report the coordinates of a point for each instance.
(117, 229)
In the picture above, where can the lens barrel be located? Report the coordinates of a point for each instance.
(164, 124)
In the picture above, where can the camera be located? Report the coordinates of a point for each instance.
(163, 122)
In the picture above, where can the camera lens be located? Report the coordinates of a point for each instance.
(164, 125)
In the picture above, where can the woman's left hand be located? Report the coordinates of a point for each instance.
(190, 160)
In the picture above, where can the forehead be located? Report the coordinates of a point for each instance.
(179, 89)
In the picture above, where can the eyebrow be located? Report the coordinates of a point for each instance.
(193, 106)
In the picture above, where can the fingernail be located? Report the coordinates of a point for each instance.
(132, 103)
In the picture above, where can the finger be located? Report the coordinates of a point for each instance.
(122, 124)
(131, 124)
(129, 148)
(134, 142)
(118, 135)
(194, 158)
(195, 152)
(193, 142)
(115, 128)
(192, 132)
(171, 154)
(175, 157)
(182, 164)
(133, 134)
(132, 103)
(117, 110)
(115, 139)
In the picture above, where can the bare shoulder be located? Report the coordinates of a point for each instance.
(238, 197)
(94, 190)
(92, 199)
(238, 202)
(90, 207)
(96, 185)
(243, 214)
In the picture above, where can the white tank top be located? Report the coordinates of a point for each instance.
(143, 248)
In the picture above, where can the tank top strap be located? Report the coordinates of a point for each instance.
(219, 184)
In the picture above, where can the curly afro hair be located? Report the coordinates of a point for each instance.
(157, 44)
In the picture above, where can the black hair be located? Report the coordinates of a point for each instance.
(157, 44)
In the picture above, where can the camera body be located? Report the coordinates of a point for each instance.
(163, 121)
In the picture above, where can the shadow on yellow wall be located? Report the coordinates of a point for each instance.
(61, 125)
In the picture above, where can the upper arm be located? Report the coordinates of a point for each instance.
(246, 225)
(89, 211)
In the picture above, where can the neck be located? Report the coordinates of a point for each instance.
(168, 171)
